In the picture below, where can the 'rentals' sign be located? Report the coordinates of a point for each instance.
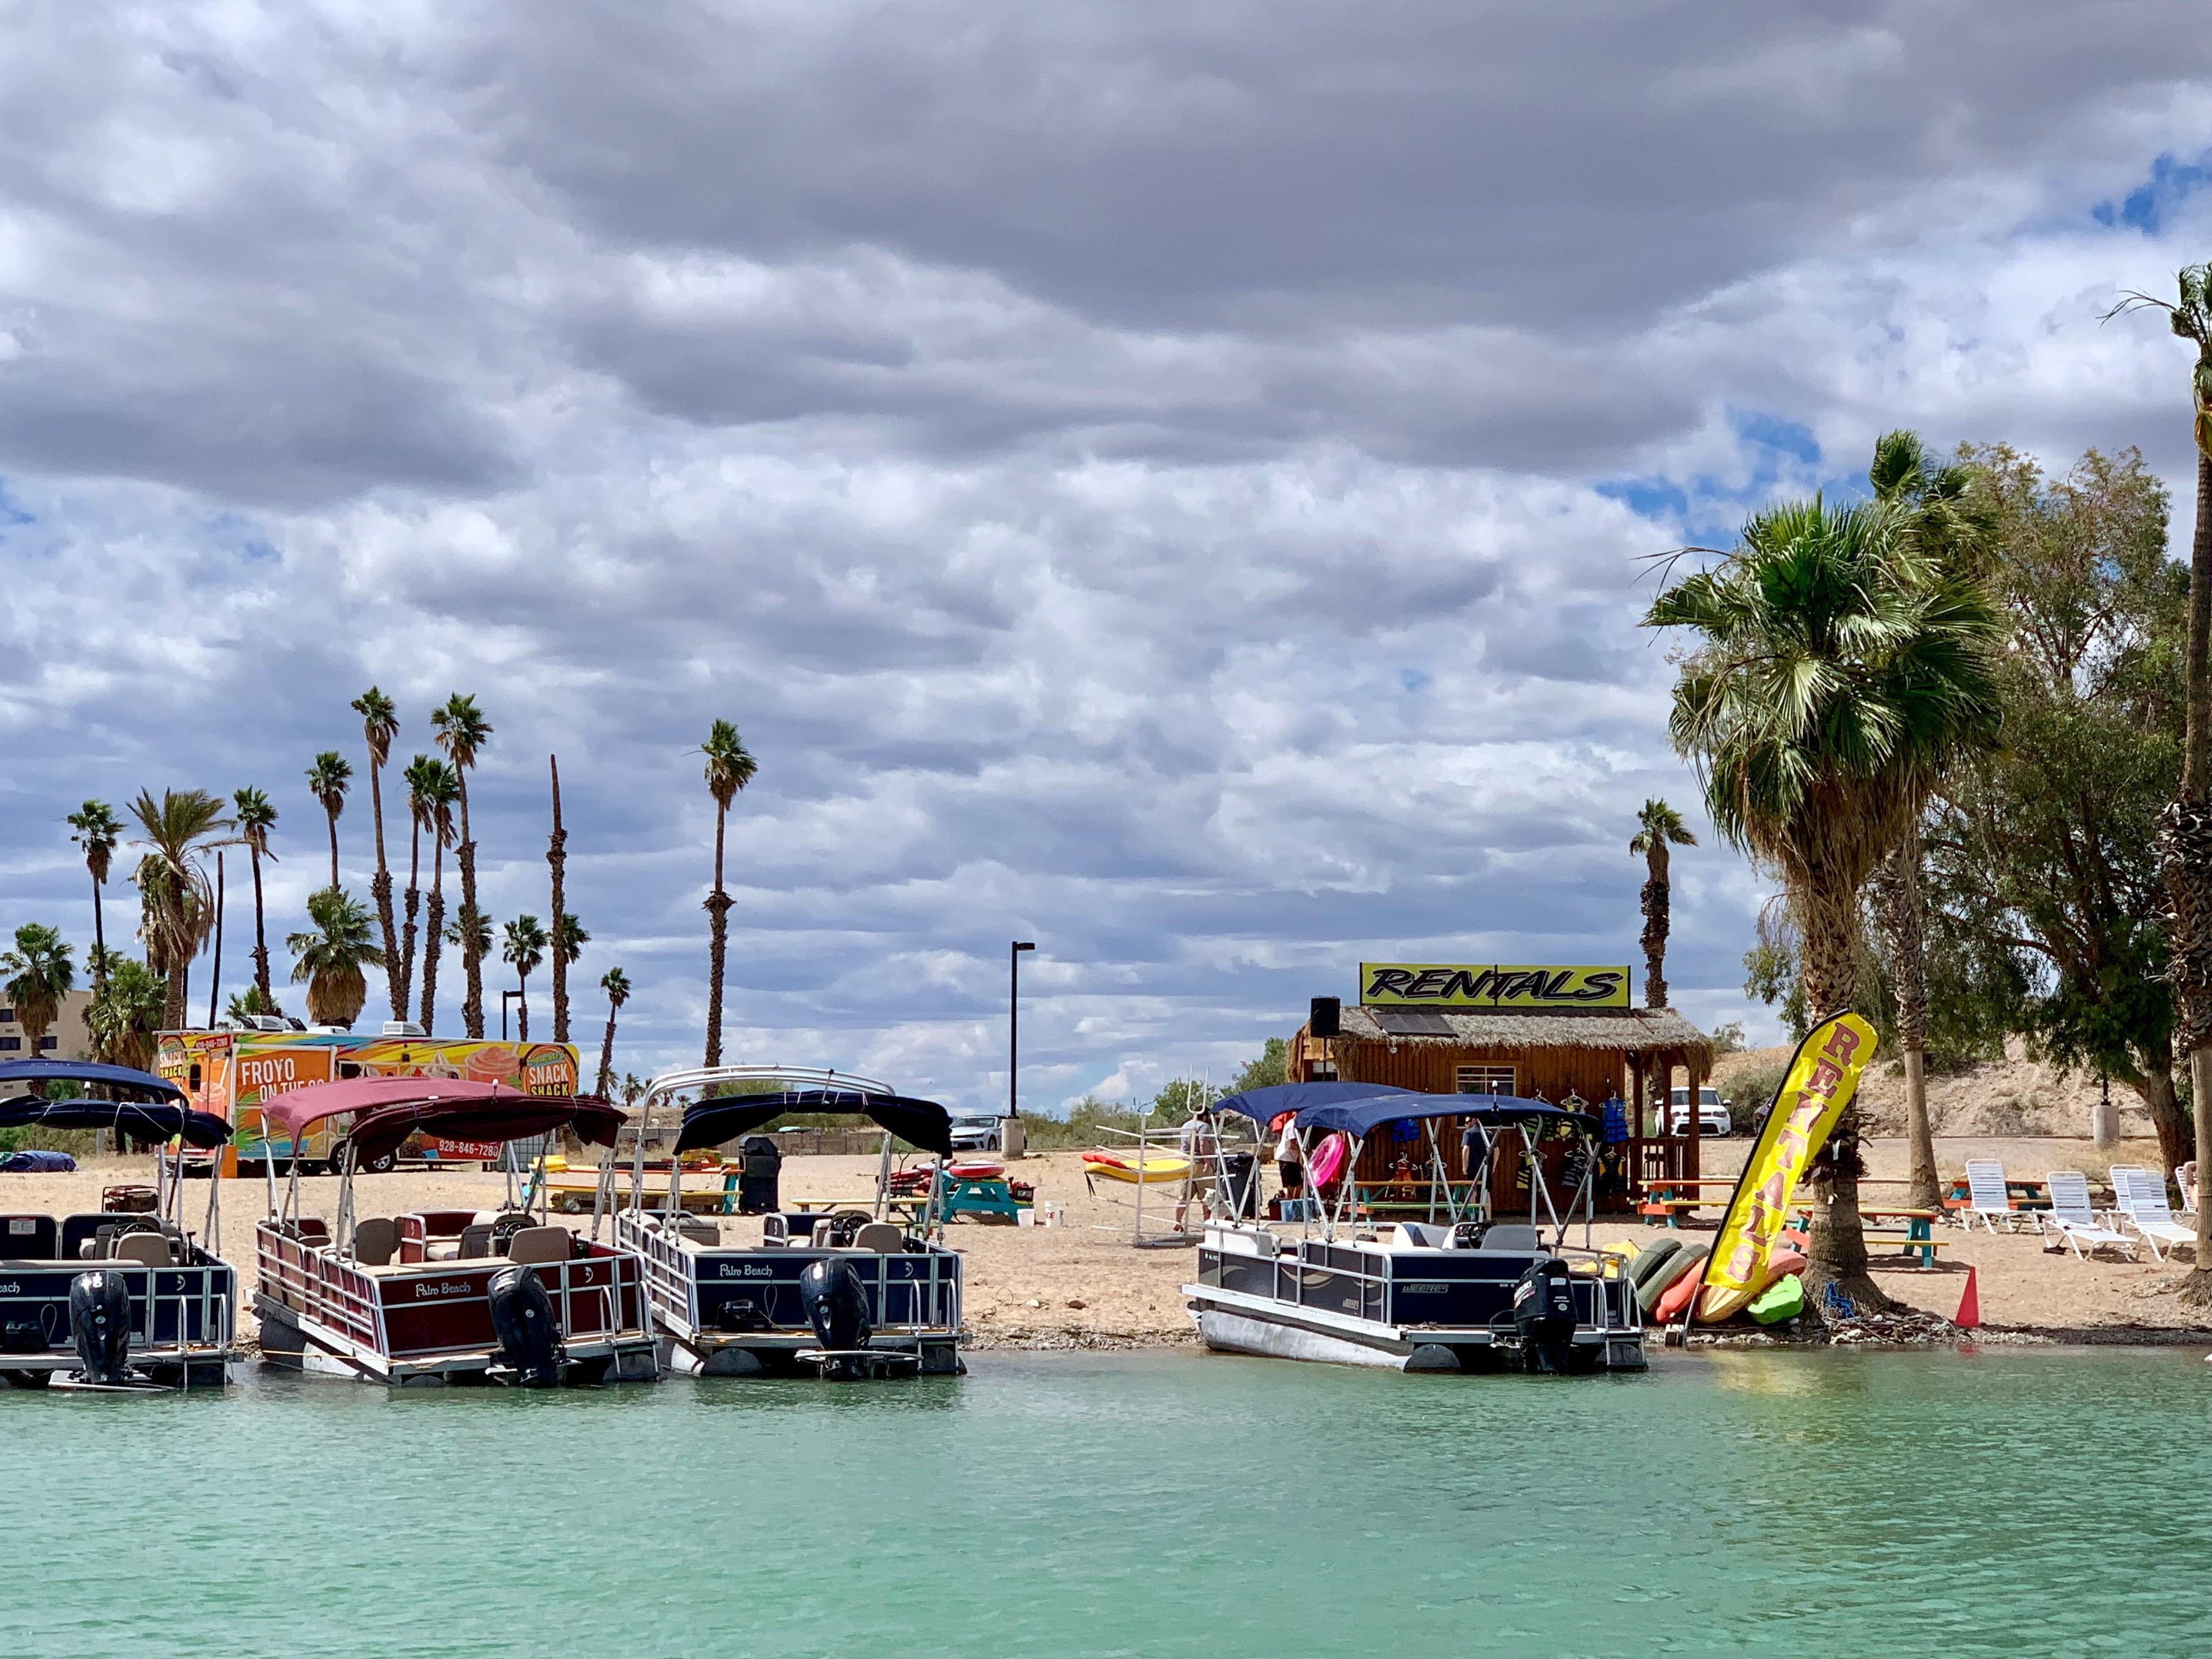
(1493, 988)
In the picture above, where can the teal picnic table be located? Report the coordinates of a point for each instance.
(1666, 1202)
(1918, 1237)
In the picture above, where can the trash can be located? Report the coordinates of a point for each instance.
(759, 1163)
(1240, 1192)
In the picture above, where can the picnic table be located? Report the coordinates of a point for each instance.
(1918, 1237)
(1663, 1201)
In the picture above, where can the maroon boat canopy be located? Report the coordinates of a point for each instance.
(387, 1110)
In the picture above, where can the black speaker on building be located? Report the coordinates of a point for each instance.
(1327, 1018)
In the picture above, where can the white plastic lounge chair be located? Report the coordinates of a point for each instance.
(2141, 1194)
(1987, 1199)
(2074, 1221)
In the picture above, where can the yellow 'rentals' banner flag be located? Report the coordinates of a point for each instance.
(1823, 1076)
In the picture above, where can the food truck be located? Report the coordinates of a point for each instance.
(231, 1073)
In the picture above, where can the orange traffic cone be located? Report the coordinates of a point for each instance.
(1970, 1306)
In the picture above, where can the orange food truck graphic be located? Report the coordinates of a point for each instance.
(231, 1073)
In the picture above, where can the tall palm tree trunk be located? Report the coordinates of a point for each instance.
(557, 855)
(260, 934)
(433, 931)
(407, 932)
(717, 912)
(522, 1008)
(472, 966)
(1836, 1252)
(1656, 900)
(606, 1057)
(380, 890)
(334, 852)
(99, 941)
(2185, 862)
(1901, 913)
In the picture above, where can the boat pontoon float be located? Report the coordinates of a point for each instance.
(504, 1296)
(848, 1293)
(1463, 1292)
(118, 1300)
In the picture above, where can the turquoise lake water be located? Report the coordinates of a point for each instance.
(2009, 1502)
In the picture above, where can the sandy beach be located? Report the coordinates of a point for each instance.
(1083, 1283)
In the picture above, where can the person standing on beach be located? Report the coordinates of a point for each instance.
(1291, 1157)
(1201, 1147)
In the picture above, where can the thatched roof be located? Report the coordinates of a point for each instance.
(1634, 1030)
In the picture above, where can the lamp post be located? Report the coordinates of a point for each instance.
(506, 997)
(1014, 1023)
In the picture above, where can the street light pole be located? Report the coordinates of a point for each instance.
(1014, 1023)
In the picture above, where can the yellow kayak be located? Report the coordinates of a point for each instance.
(1155, 1169)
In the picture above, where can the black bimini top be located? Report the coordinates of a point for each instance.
(147, 1120)
(923, 1123)
(136, 1085)
(1359, 1109)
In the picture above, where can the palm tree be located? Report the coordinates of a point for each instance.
(127, 1013)
(730, 767)
(175, 903)
(633, 1088)
(1946, 520)
(421, 816)
(556, 861)
(2184, 849)
(440, 788)
(525, 948)
(98, 830)
(468, 931)
(569, 939)
(379, 724)
(255, 817)
(615, 984)
(329, 960)
(1658, 827)
(1840, 668)
(328, 780)
(40, 976)
(462, 732)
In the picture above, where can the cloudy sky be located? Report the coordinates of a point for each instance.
(1167, 481)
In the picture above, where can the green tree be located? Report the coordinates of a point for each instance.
(126, 1014)
(730, 767)
(40, 974)
(380, 725)
(615, 984)
(245, 1004)
(329, 958)
(176, 906)
(255, 817)
(1839, 668)
(1658, 827)
(98, 832)
(2185, 834)
(2043, 856)
(522, 949)
(462, 732)
(440, 788)
(1270, 1066)
(328, 780)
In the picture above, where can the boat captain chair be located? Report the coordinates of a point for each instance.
(147, 1250)
(375, 1241)
(541, 1244)
(881, 1237)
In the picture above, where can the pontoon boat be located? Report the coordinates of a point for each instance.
(124, 1299)
(851, 1292)
(445, 1297)
(1460, 1291)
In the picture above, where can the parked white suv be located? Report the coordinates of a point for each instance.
(1712, 1112)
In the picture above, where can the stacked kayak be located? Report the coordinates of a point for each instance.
(1153, 1169)
(1667, 1274)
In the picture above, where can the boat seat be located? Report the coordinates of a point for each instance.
(475, 1242)
(699, 1230)
(1510, 1238)
(441, 1249)
(880, 1236)
(147, 1250)
(374, 1240)
(29, 1238)
(1420, 1236)
(541, 1244)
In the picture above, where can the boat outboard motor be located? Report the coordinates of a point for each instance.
(100, 1319)
(1544, 1316)
(522, 1315)
(837, 1308)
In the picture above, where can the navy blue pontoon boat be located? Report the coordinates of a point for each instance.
(120, 1299)
(1462, 1292)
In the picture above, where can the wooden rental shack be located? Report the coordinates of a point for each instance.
(1561, 1035)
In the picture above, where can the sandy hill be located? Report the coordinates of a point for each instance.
(2015, 1096)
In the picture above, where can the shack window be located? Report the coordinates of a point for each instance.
(1488, 1081)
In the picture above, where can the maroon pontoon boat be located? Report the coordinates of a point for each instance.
(445, 1297)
